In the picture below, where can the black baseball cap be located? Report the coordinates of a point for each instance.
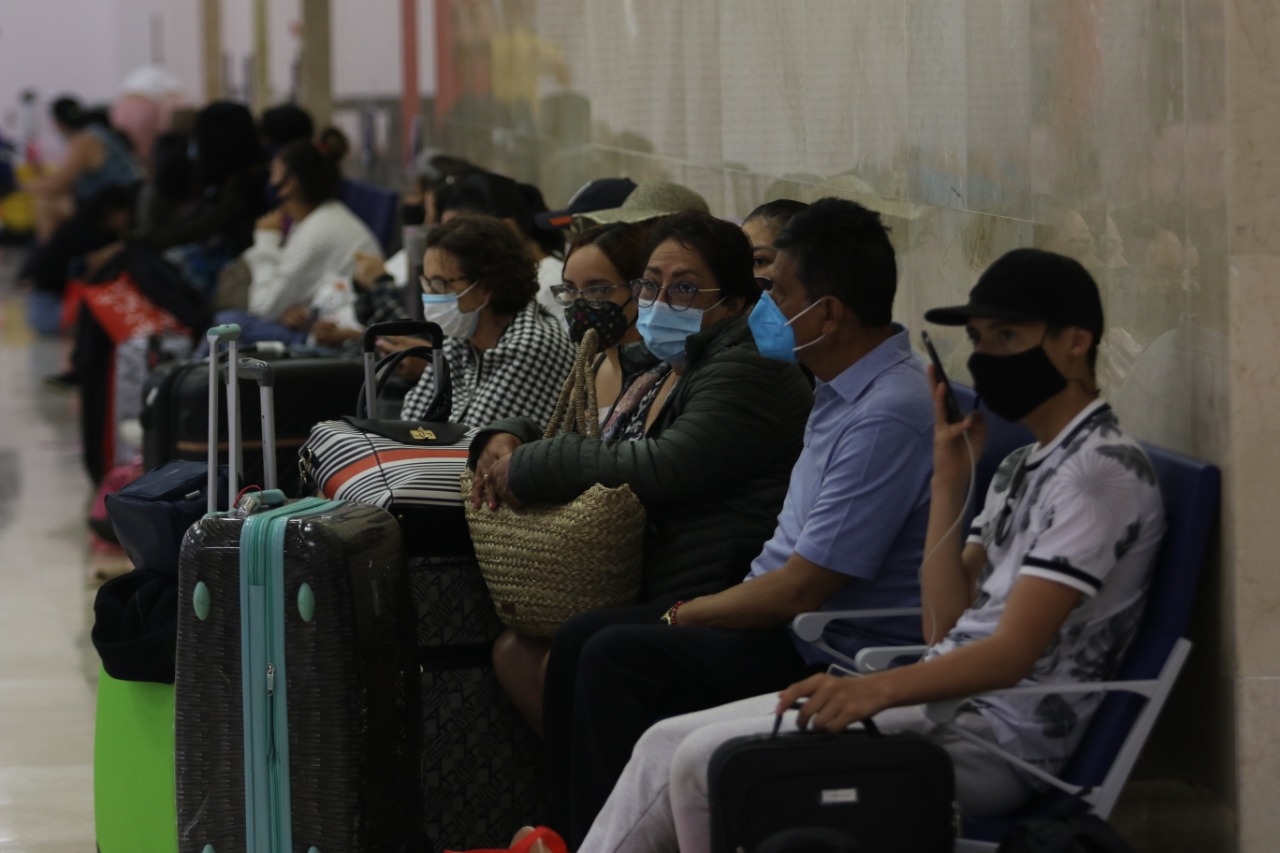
(1030, 284)
(600, 194)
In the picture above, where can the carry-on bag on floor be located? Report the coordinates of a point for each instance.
(297, 710)
(480, 760)
(133, 800)
(891, 793)
(308, 390)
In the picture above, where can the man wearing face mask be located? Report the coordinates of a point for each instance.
(1046, 588)
(849, 535)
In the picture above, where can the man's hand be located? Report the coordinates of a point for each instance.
(368, 269)
(832, 703)
(273, 221)
(951, 460)
(296, 317)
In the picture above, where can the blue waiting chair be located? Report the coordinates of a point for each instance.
(376, 207)
(1097, 772)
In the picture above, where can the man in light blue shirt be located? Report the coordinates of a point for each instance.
(850, 534)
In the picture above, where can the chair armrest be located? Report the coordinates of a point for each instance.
(945, 710)
(876, 658)
(811, 626)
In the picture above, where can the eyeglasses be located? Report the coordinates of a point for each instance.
(438, 285)
(764, 283)
(595, 295)
(680, 294)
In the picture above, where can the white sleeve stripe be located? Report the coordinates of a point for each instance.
(1060, 577)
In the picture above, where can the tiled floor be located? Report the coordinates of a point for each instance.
(47, 666)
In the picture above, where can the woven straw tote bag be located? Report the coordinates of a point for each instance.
(545, 564)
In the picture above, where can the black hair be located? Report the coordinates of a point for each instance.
(722, 246)
(626, 245)
(173, 174)
(110, 199)
(67, 111)
(490, 253)
(226, 142)
(551, 242)
(285, 123)
(316, 171)
(777, 213)
(842, 249)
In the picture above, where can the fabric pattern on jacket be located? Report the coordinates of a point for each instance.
(521, 376)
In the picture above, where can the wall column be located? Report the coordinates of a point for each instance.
(317, 78)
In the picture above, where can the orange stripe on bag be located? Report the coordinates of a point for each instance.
(355, 469)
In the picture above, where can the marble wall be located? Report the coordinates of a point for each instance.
(1134, 135)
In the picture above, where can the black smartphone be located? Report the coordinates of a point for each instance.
(953, 407)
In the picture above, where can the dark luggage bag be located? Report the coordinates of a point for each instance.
(890, 793)
(308, 390)
(297, 711)
(480, 760)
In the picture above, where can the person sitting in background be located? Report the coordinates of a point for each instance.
(706, 439)
(1047, 586)
(496, 195)
(285, 276)
(762, 226)
(96, 158)
(506, 355)
(596, 294)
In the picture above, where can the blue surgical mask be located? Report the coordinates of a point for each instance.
(665, 330)
(442, 309)
(772, 330)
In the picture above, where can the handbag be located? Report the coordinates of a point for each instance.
(405, 467)
(545, 564)
(889, 792)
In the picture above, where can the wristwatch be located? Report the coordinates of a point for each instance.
(669, 618)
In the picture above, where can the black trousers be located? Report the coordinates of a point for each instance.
(613, 673)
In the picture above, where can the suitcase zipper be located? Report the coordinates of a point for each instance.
(266, 742)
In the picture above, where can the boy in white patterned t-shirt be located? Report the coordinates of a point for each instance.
(1048, 588)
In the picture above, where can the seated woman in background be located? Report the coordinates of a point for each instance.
(596, 294)
(706, 439)
(97, 157)
(507, 356)
(762, 226)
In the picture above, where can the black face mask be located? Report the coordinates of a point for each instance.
(413, 214)
(1012, 386)
(608, 319)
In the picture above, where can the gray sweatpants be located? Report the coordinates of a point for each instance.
(660, 802)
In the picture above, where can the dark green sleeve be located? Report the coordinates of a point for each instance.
(731, 415)
(524, 429)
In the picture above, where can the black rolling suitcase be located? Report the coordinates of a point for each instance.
(308, 390)
(885, 793)
(297, 707)
(481, 763)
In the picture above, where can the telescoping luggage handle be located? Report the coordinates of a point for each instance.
(265, 376)
(415, 328)
(231, 334)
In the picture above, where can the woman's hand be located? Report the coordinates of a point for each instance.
(410, 368)
(329, 334)
(296, 317)
(951, 460)
(492, 481)
(832, 703)
(273, 221)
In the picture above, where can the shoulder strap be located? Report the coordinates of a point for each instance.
(575, 409)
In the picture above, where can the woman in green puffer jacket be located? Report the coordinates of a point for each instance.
(706, 439)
